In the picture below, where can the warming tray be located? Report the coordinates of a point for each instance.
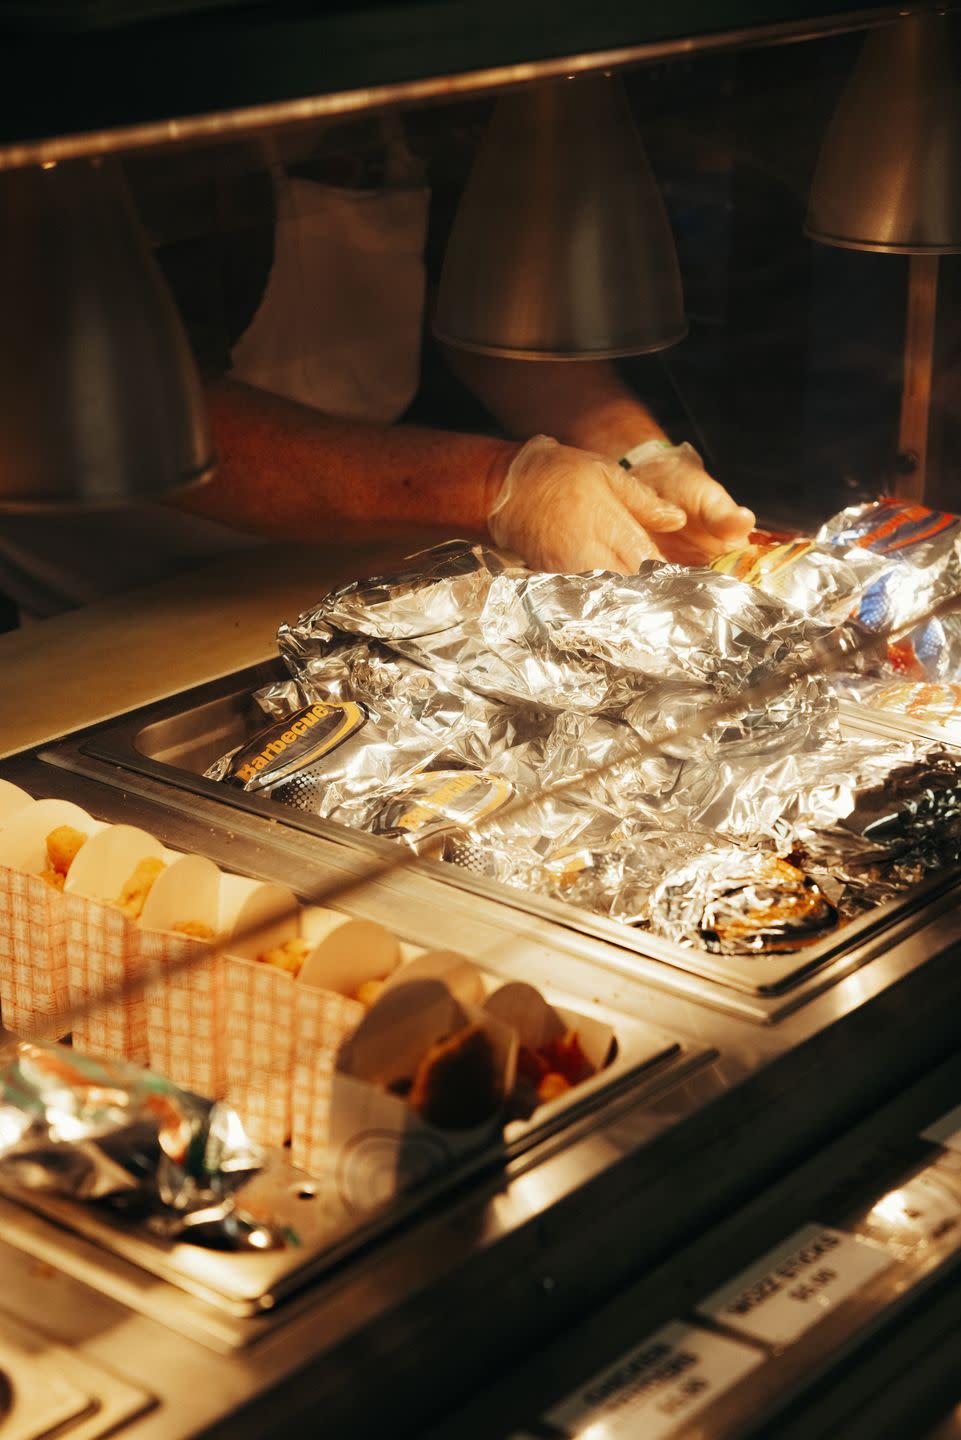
(326, 1227)
(176, 740)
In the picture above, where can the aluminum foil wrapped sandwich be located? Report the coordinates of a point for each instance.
(736, 901)
(922, 548)
(913, 807)
(482, 683)
(591, 643)
(921, 701)
(464, 663)
(861, 819)
(382, 720)
(107, 1131)
(428, 805)
(814, 577)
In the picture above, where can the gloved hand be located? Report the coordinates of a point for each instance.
(567, 510)
(714, 522)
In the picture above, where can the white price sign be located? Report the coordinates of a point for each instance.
(796, 1284)
(658, 1387)
(946, 1131)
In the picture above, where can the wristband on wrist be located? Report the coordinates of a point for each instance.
(643, 452)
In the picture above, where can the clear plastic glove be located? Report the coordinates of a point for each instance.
(566, 510)
(714, 522)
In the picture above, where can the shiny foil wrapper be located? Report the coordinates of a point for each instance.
(463, 663)
(782, 800)
(593, 643)
(919, 701)
(431, 596)
(618, 875)
(741, 902)
(862, 841)
(481, 673)
(100, 1130)
(413, 723)
(814, 577)
(429, 804)
(914, 808)
(922, 550)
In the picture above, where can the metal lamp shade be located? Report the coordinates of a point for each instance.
(100, 401)
(889, 173)
(561, 248)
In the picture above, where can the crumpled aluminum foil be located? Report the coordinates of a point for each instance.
(735, 901)
(591, 643)
(440, 586)
(535, 677)
(812, 576)
(101, 1130)
(785, 798)
(414, 723)
(881, 563)
(813, 806)
(929, 703)
(467, 664)
(619, 876)
(922, 548)
(428, 805)
(915, 807)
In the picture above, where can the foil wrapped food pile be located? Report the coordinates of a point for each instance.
(108, 1132)
(477, 682)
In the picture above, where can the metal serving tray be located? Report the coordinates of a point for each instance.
(175, 741)
(326, 1226)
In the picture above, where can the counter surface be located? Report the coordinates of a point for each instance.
(478, 1279)
(78, 669)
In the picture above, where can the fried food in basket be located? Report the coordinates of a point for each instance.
(63, 844)
(369, 992)
(550, 1070)
(289, 956)
(456, 1084)
(133, 896)
(552, 1087)
(194, 929)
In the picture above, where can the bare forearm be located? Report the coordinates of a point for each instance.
(286, 470)
(580, 402)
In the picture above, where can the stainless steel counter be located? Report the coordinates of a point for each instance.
(402, 1326)
(410, 1323)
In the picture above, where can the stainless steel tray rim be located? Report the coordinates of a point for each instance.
(762, 975)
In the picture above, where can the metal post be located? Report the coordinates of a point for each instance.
(912, 462)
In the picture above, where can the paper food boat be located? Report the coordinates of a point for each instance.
(104, 945)
(12, 799)
(281, 1032)
(378, 1144)
(258, 1008)
(347, 953)
(184, 1002)
(460, 975)
(34, 979)
(538, 1023)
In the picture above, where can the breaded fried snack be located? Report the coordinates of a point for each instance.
(195, 929)
(456, 1084)
(369, 992)
(136, 889)
(63, 844)
(290, 956)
